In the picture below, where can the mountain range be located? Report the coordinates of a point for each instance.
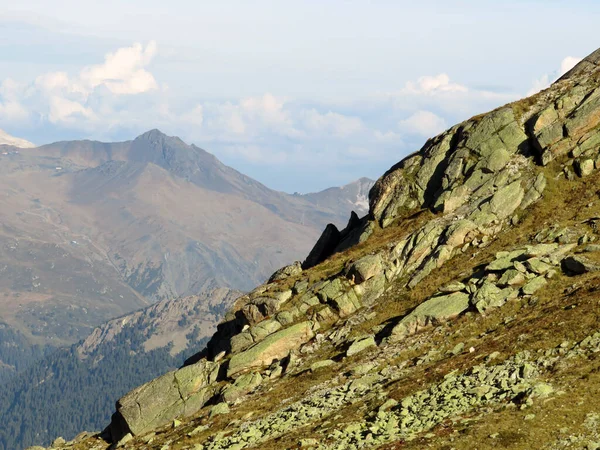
(119, 259)
(461, 311)
(91, 231)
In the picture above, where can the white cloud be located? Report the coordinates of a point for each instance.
(331, 122)
(86, 100)
(568, 63)
(123, 71)
(11, 107)
(431, 85)
(387, 136)
(424, 123)
(63, 110)
(268, 108)
(445, 98)
(548, 78)
(120, 97)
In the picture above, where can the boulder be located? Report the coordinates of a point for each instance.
(320, 364)
(584, 167)
(455, 286)
(487, 296)
(242, 386)
(361, 344)
(365, 268)
(434, 310)
(507, 199)
(274, 347)
(534, 285)
(331, 290)
(346, 303)
(218, 409)
(577, 265)
(538, 266)
(511, 277)
(262, 329)
(178, 393)
(286, 272)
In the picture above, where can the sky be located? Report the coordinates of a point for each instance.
(298, 95)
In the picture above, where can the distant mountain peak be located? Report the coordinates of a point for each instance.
(7, 139)
(156, 136)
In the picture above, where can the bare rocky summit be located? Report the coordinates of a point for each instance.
(461, 312)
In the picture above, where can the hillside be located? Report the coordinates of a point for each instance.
(461, 312)
(91, 231)
(75, 388)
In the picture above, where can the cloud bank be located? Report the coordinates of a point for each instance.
(120, 97)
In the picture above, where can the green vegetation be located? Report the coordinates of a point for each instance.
(16, 353)
(62, 394)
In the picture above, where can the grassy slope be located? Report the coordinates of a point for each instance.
(566, 310)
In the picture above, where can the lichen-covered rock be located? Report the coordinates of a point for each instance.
(443, 174)
(218, 409)
(321, 364)
(243, 385)
(436, 309)
(584, 167)
(286, 272)
(273, 347)
(178, 393)
(490, 296)
(360, 345)
(262, 329)
(365, 268)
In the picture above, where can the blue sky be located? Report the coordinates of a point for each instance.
(299, 95)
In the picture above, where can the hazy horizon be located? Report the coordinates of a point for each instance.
(298, 96)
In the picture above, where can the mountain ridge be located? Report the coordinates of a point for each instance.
(466, 307)
(142, 220)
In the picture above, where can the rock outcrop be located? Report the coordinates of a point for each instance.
(453, 198)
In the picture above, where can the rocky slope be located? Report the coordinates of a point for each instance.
(461, 312)
(91, 231)
(168, 323)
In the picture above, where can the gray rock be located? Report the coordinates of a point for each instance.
(274, 347)
(308, 442)
(286, 272)
(320, 364)
(365, 268)
(158, 402)
(58, 442)
(263, 329)
(242, 386)
(534, 285)
(538, 266)
(506, 200)
(124, 440)
(434, 310)
(584, 167)
(511, 277)
(360, 345)
(455, 286)
(220, 408)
